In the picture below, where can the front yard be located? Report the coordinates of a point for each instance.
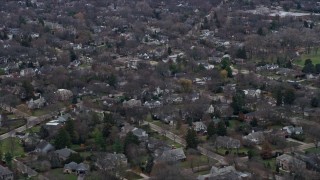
(58, 174)
(13, 146)
(11, 124)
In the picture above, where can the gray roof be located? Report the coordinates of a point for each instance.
(65, 152)
(109, 160)
(44, 147)
(77, 167)
(5, 171)
(227, 142)
(172, 155)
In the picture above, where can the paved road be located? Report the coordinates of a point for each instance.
(31, 120)
(181, 141)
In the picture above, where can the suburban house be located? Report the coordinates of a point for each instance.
(64, 153)
(199, 127)
(227, 142)
(132, 103)
(63, 94)
(36, 104)
(293, 130)
(5, 173)
(126, 129)
(228, 172)
(140, 133)
(255, 137)
(44, 147)
(109, 161)
(287, 162)
(172, 155)
(79, 169)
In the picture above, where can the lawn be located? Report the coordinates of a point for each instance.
(165, 139)
(131, 175)
(222, 151)
(313, 56)
(313, 150)
(12, 124)
(202, 172)
(270, 163)
(233, 124)
(12, 145)
(195, 161)
(58, 174)
(40, 112)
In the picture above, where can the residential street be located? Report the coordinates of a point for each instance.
(181, 141)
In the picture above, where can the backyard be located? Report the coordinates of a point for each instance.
(12, 145)
(315, 57)
(58, 174)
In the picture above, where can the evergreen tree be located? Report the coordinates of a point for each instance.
(241, 53)
(229, 72)
(73, 56)
(191, 139)
(221, 129)
(279, 96)
(62, 139)
(8, 158)
(315, 102)
(238, 102)
(117, 146)
(211, 130)
(70, 129)
(169, 50)
(43, 132)
(149, 165)
(99, 139)
(289, 96)
(130, 139)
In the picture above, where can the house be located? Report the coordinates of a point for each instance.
(126, 129)
(44, 147)
(172, 155)
(5, 173)
(157, 146)
(79, 169)
(152, 104)
(140, 133)
(199, 126)
(36, 104)
(287, 162)
(255, 137)
(132, 103)
(293, 130)
(109, 161)
(64, 153)
(63, 94)
(210, 110)
(27, 72)
(227, 142)
(251, 93)
(227, 173)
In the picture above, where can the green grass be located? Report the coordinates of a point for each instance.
(202, 172)
(313, 150)
(12, 145)
(165, 139)
(195, 161)
(313, 56)
(58, 174)
(131, 175)
(270, 163)
(40, 112)
(222, 151)
(12, 125)
(34, 129)
(233, 124)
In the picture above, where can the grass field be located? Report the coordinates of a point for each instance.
(195, 161)
(132, 175)
(313, 56)
(313, 150)
(12, 145)
(270, 163)
(12, 124)
(222, 151)
(58, 174)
